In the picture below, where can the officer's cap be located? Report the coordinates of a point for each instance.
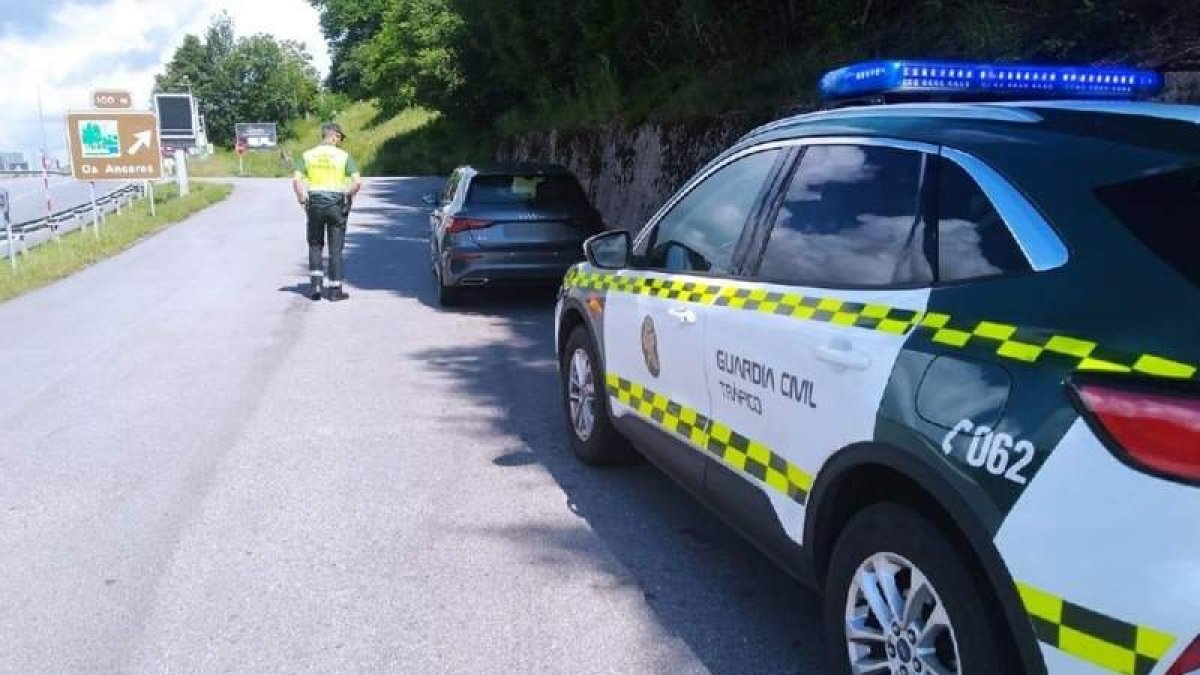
(332, 126)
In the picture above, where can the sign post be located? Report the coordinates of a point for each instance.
(4, 214)
(95, 210)
(241, 153)
(49, 203)
(181, 176)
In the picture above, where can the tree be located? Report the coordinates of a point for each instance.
(414, 58)
(348, 25)
(247, 79)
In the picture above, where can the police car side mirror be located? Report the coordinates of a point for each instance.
(430, 199)
(609, 250)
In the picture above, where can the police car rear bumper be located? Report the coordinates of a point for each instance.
(1107, 561)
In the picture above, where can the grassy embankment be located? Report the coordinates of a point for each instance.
(50, 261)
(414, 142)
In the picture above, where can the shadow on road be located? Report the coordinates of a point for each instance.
(735, 609)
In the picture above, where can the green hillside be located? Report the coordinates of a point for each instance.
(413, 142)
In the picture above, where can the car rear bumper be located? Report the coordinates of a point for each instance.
(501, 268)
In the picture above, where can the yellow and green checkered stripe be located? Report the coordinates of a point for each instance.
(1004, 340)
(1104, 641)
(743, 454)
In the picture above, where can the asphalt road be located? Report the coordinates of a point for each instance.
(202, 471)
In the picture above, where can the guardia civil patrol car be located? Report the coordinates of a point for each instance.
(939, 359)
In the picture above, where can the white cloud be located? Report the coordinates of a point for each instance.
(120, 44)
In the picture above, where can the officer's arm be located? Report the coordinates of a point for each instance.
(298, 184)
(300, 188)
(355, 177)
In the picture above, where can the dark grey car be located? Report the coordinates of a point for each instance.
(507, 225)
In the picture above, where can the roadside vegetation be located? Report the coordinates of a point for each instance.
(422, 85)
(529, 65)
(52, 261)
(414, 141)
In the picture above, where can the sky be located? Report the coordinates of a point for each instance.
(68, 48)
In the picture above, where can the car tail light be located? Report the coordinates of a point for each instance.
(1188, 662)
(464, 224)
(1154, 425)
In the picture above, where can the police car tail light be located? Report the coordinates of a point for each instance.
(464, 224)
(1189, 661)
(1155, 426)
(987, 80)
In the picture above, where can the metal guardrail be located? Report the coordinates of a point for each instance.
(116, 198)
(32, 172)
(13, 236)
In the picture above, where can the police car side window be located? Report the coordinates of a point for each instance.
(973, 240)
(851, 217)
(701, 231)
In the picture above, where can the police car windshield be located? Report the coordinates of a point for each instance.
(524, 191)
(1161, 210)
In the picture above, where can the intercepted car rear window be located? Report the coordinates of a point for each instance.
(1163, 211)
(525, 190)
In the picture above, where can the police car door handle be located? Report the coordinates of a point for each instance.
(685, 315)
(842, 355)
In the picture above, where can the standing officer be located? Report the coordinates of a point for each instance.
(325, 182)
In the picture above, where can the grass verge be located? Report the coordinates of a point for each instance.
(50, 262)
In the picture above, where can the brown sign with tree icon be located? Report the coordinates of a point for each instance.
(114, 145)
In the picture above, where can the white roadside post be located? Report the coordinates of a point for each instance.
(8, 235)
(148, 194)
(181, 175)
(95, 210)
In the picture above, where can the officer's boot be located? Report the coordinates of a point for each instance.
(336, 294)
(314, 289)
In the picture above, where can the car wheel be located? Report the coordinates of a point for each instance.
(449, 296)
(594, 440)
(901, 599)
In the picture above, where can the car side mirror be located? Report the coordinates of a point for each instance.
(609, 250)
(431, 199)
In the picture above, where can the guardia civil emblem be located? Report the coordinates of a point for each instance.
(650, 346)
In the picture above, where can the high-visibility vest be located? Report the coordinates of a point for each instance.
(325, 167)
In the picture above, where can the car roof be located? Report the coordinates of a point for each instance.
(526, 168)
(979, 125)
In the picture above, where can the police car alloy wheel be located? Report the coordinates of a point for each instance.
(895, 617)
(593, 438)
(581, 394)
(901, 600)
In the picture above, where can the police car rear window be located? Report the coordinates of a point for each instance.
(1163, 211)
(525, 190)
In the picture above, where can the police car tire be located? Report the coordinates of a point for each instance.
(605, 446)
(897, 529)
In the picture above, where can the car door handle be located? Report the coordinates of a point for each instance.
(843, 356)
(685, 315)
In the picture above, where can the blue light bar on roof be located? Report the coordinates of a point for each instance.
(876, 78)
